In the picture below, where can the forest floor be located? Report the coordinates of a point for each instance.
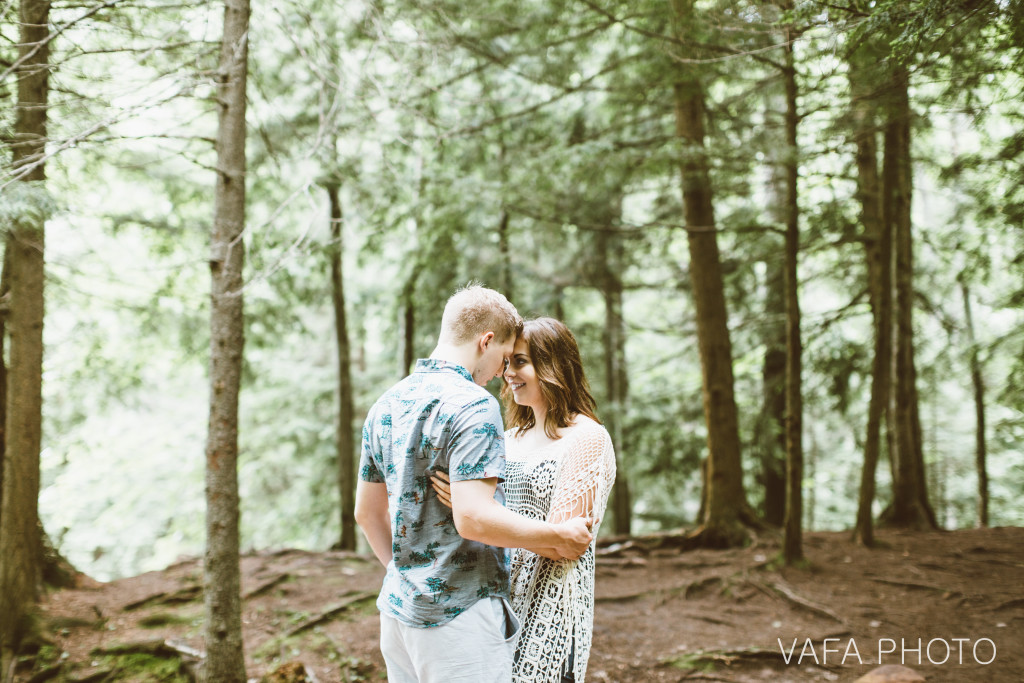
(661, 615)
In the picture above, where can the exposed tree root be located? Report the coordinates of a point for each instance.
(782, 589)
(47, 674)
(187, 594)
(189, 659)
(155, 648)
(689, 590)
(919, 586)
(1010, 604)
(330, 613)
(57, 571)
(267, 585)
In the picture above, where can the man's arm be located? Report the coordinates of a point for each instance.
(372, 518)
(442, 487)
(479, 517)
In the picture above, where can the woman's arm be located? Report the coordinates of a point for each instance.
(578, 479)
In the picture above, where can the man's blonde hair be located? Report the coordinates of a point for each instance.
(473, 310)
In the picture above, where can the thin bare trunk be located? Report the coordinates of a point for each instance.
(616, 379)
(407, 322)
(222, 582)
(20, 546)
(978, 383)
(920, 467)
(771, 424)
(505, 255)
(504, 248)
(344, 436)
(792, 549)
(4, 302)
(810, 509)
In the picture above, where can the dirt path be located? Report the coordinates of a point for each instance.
(661, 615)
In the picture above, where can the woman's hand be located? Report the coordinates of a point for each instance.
(442, 487)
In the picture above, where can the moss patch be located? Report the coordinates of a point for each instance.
(145, 669)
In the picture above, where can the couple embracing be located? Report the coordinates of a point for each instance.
(444, 490)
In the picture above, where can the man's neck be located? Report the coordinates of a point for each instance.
(464, 355)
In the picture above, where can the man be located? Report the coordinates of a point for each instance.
(444, 603)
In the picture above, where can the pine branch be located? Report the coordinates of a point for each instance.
(730, 53)
(53, 35)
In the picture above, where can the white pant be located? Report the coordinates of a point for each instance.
(476, 647)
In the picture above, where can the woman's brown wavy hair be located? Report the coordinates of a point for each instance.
(556, 360)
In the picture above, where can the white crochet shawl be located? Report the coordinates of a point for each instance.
(567, 478)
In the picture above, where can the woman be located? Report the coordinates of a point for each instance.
(559, 464)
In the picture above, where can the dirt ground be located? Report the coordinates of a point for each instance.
(950, 605)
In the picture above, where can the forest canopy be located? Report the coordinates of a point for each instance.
(401, 149)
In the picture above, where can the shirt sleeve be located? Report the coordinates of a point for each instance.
(477, 446)
(370, 457)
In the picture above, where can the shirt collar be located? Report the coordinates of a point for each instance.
(436, 365)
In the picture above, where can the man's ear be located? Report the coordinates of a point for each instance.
(485, 339)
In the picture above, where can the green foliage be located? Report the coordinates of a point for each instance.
(437, 120)
(26, 205)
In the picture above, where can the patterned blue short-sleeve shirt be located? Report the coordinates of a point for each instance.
(437, 418)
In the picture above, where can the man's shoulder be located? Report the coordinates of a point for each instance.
(477, 406)
(450, 392)
(462, 395)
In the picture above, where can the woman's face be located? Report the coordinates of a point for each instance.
(521, 377)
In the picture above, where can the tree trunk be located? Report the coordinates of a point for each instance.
(407, 322)
(20, 547)
(727, 508)
(909, 505)
(978, 382)
(504, 248)
(811, 475)
(4, 301)
(224, 659)
(616, 379)
(772, 423)
(505, 255)
(920, 468)
(792, 547)
(345, 443)
(878, 253)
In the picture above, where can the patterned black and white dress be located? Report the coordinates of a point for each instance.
(555, 600)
